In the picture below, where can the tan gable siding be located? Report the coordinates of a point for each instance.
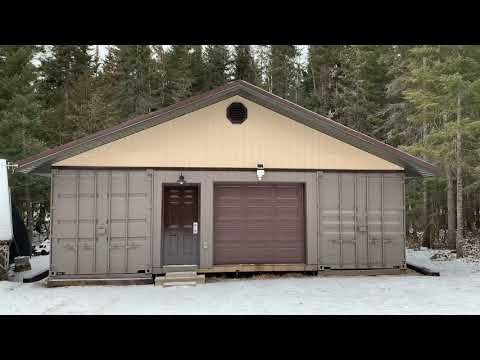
(205, 138)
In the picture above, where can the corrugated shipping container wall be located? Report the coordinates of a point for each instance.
(101, 222)
(361, 220)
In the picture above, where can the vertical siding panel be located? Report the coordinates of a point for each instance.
(339, 219)
(318, 235)
(366, 221)
(109, 219)
(94, 223)
(149, 221)
(77, 219)
(381, 220)
(311, 215)
(53, 214)
(157, 219)
(127, 211)
(206, 220)
(355, 237)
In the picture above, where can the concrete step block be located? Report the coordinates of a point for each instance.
(180, 274)
(176, 268)
(167, 281)
(180, 283)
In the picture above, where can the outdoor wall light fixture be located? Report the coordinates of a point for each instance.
(181, 179)
(260, 172)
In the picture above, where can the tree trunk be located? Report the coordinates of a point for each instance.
(477, 212)
(450, 210)
(426, 221)
(459, 181)
(29, 205)
(313, 78)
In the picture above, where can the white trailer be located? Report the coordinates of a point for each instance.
(6, 229)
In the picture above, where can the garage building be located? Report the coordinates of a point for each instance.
(235, 179)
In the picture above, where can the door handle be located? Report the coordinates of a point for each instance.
(101, 229)
(195, 227)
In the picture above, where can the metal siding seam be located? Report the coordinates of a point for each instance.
(127, 210)
(355, 214)
(318, 218)
(95, 195)
(149, 253)
(381, 220)
(340, 240)
(77, 216)
(52, 220)
(403, 219)
(369, 264)
(109, 218)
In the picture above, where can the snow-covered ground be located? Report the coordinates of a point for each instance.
(456, 291)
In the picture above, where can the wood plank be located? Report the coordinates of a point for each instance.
(99, 281)
(423, 270)
(258, 268)
(365, 272)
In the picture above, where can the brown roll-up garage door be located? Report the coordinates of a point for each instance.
(259, 224)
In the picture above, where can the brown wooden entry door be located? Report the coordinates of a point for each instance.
(180, 238)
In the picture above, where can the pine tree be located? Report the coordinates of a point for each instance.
(19, 124)
(263, 54)
(158, 76)
(283, 70)
(324, 72)
(217, 59)
(198, 70)
(179, 79)
(61, 68)
(129, 70)
(446, 105)
(244, 67)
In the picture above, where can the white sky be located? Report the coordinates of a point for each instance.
(103, 50)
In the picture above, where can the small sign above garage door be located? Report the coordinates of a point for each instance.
(259, 224)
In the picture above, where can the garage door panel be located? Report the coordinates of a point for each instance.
(228, 212)
(289, 212)
(259, 212)
(259, 224)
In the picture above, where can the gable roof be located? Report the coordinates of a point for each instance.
(413, 166)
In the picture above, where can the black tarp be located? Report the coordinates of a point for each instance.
(21, 245)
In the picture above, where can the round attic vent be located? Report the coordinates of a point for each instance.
(237, 113)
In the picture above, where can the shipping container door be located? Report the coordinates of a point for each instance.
(375, 220)
(129, 229)
(393, 220)
(343, 220)
(87, 223)
(64, 237)
(102, 221)
(361, 220)
(74, 245)
(346, 220)
(329, 234)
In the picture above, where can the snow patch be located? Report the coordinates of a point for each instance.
(455, 291)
